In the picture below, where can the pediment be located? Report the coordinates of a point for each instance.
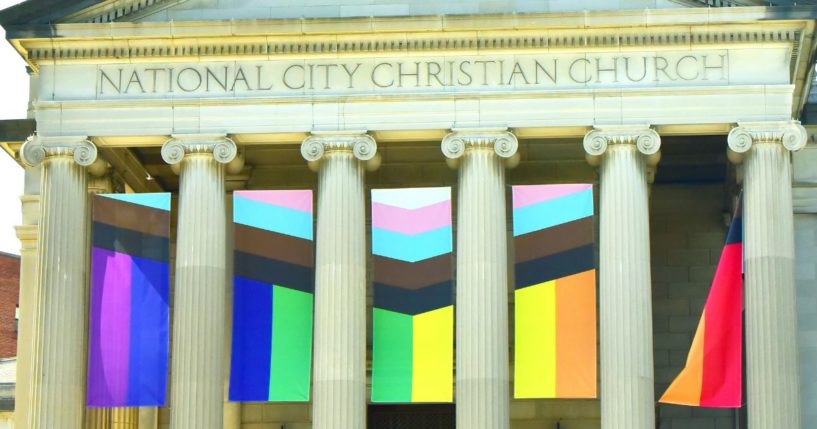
(32, 12)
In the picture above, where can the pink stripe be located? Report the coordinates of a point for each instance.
(294, 199)
(110, 327)
(411, 221)
(531, 194)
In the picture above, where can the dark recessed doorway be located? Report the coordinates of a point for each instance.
(415, 416)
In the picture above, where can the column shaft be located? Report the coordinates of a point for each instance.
(339, 398)
(627, 383)
(98, 418)
(482, 393)
(125, 418)
(199, 293)
(771, 308)
(148, 418)
(58, 383)
(27, 234)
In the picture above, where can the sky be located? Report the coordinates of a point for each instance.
(13, 101)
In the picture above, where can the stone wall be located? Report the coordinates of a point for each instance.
(688, 228)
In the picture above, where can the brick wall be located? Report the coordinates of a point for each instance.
(9, 287)
(687, 234)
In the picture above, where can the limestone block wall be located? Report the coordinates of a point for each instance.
(688, 230)
(805, 271)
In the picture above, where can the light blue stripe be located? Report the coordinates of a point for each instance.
(271, 217)
(552, 212)
(157, 200)
(411, 248)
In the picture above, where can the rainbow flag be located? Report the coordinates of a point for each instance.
(273, 288)
(413, 312)
(555, 292)
(712, 376)
(130, 278)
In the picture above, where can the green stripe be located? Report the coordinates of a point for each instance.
(291, 357)
(392, 356)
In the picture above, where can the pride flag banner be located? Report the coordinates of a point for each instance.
(273, 289)
(712, 376)
(555, 292)
(130, 278)
(413, 312)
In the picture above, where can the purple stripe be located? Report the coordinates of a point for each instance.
(109, 342)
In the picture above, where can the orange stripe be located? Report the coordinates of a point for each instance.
(576, 336)
(686, 389)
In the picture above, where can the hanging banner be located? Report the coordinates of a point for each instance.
(413, 311)
(713, 373)
(273, 289)
(555, 292)
(130, 278)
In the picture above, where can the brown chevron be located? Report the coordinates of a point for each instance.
(272, 245)
(415, 275)
(135, 217)
(553, 240)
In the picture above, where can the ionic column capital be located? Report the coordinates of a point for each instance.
(320, 143)
(502, 141)
(37, 148)
(790, 134)
(222, 148)
(645, 139)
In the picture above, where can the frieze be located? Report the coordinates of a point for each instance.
(413, 75)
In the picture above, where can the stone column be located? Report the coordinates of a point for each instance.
(125, 418)
(483, 385)
(772, 364)
(148, 418)
(339, 382)
(232, 410)
(60, 324)
(99, 182)
(27, 234)
(197, 358)
(625, 296)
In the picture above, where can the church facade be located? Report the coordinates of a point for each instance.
(670, 109)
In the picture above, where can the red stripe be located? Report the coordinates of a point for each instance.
(722, 366)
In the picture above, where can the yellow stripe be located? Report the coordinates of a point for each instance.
(535, 362)
(433, 363)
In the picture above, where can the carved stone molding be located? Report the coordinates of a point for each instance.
(253, 46)
(318, 144)
(790, 134)
(645, 139)
(502, 141)
(37, 148)
(222, 148)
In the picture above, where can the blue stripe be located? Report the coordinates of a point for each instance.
(411, 248)
(283, 220)
(147, 369)
(252, 340)
(552, 212)
(158, 200)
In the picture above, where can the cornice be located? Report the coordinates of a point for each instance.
(259, 39)
(201, 47)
